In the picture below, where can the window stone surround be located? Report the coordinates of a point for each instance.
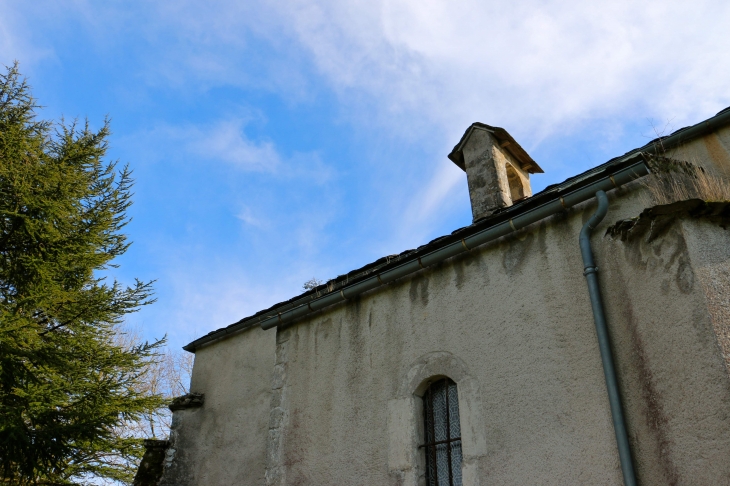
(405, 419)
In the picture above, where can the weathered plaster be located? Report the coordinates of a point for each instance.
(673, 379)
(711, 151)
(710, 250)
(224, 442)
(335, 398)
(279, 412)
(531, 354)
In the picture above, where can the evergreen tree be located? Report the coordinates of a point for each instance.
(67, 385)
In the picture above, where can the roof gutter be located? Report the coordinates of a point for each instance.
(489, 234)
(626, 172)
(684, 135)
(560, 202)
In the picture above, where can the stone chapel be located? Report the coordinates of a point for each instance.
(579, 335)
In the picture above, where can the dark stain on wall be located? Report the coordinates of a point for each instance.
(419, 289)
(654, 413)
(651, 403)
(459, 271)
(685, 275)
(356, 342)
(542, 238)
(353, 309)
(475, 260)
(633, 255)
(324, 327)
(514, 255)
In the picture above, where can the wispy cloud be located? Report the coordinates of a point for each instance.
(536, 66)
(423, 70)
(434, 199)
(15, 43)
(208, 177)
(539, 65)
(226, 142)
(405, 77)
(200, 295)
(246, 215)
(204, 301)
(530, 64)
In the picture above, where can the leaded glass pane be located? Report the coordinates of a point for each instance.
(439, 411)
(454, 412)
(442, 434)
(442, 461)
(430, 467)
(456, 462)
(428, 412)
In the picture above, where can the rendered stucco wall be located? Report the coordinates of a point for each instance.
(511, 324)
(334, 398)
(710, 250)
(711, 151)
(224, 442)
(673, 377)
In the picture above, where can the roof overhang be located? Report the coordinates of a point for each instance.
(555, 193)
(505, 141)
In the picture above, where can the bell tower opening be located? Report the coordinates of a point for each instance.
(516, 190)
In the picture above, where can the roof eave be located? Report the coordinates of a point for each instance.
(505, 141)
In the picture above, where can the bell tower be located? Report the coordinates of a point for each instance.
(497, 168)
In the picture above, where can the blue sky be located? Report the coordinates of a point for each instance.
(273, 142)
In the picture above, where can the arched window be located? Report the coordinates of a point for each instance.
(442, 433)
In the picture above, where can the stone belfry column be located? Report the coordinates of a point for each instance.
(497, 168)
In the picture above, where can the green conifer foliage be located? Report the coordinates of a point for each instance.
(67, 387)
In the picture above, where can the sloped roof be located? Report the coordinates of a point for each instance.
(551, 192)
(505, 141)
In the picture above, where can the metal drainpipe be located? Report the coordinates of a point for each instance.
(609, 371)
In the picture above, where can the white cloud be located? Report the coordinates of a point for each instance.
(529, 64)
(445, 189)
(206, 302)
(204, 295)
(16, 44)
(225, 141)
(532, 62)
(246, 215)
(533, 66)
(426, 69)
(417, 71)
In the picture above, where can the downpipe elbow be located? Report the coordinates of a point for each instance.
(587, 230)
